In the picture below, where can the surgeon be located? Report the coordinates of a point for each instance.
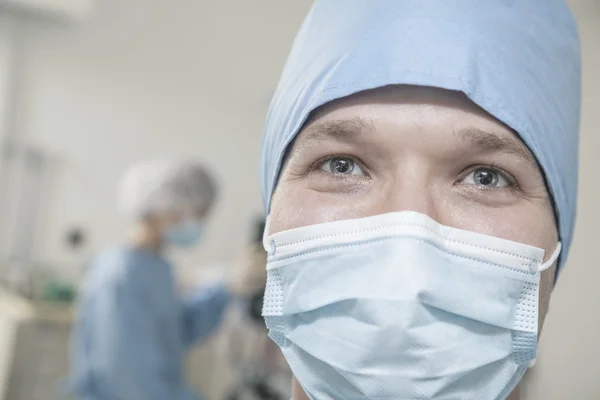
(420, 172)
(132, 329)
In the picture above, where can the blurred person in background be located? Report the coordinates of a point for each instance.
(132, 328)
(420, 172)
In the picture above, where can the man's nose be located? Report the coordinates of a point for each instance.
(412, 189)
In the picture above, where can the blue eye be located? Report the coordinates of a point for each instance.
(486, 177)
(341, 166)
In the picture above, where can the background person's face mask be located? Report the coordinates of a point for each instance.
(185, 234)
(397, 306)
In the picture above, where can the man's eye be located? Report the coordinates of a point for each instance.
(341, 166)
(486, 177)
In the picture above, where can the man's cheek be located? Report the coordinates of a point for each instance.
(295, 207)
(520, 223)
(291, 209)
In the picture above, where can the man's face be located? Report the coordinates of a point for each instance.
(420, 149)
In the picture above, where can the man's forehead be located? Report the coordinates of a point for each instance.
(354, 109)
(402, 94)
(347, 120)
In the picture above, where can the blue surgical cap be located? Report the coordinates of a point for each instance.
(517, 59)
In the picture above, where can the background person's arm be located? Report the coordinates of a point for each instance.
(131, 361)
(203, 312)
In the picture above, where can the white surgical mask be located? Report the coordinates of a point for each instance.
(397, 306)
(185, 234)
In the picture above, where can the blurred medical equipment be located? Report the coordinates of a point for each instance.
(26, 172)
(33, 348)
(260, 373)
(35, 301)
(259, 370)
(27, 181)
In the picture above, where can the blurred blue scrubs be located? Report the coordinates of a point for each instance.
(132, 329)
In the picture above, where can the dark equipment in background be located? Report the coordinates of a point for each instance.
(75, 238)
(257, 389)
(255, 303)
(256, 384)
(259, 229)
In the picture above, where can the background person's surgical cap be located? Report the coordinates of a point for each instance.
(518, 60)
(157, 187)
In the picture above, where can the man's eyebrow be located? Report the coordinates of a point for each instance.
(345, 129)
(493, 142)
(351, 129)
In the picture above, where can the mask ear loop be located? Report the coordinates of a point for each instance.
(551, 260)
